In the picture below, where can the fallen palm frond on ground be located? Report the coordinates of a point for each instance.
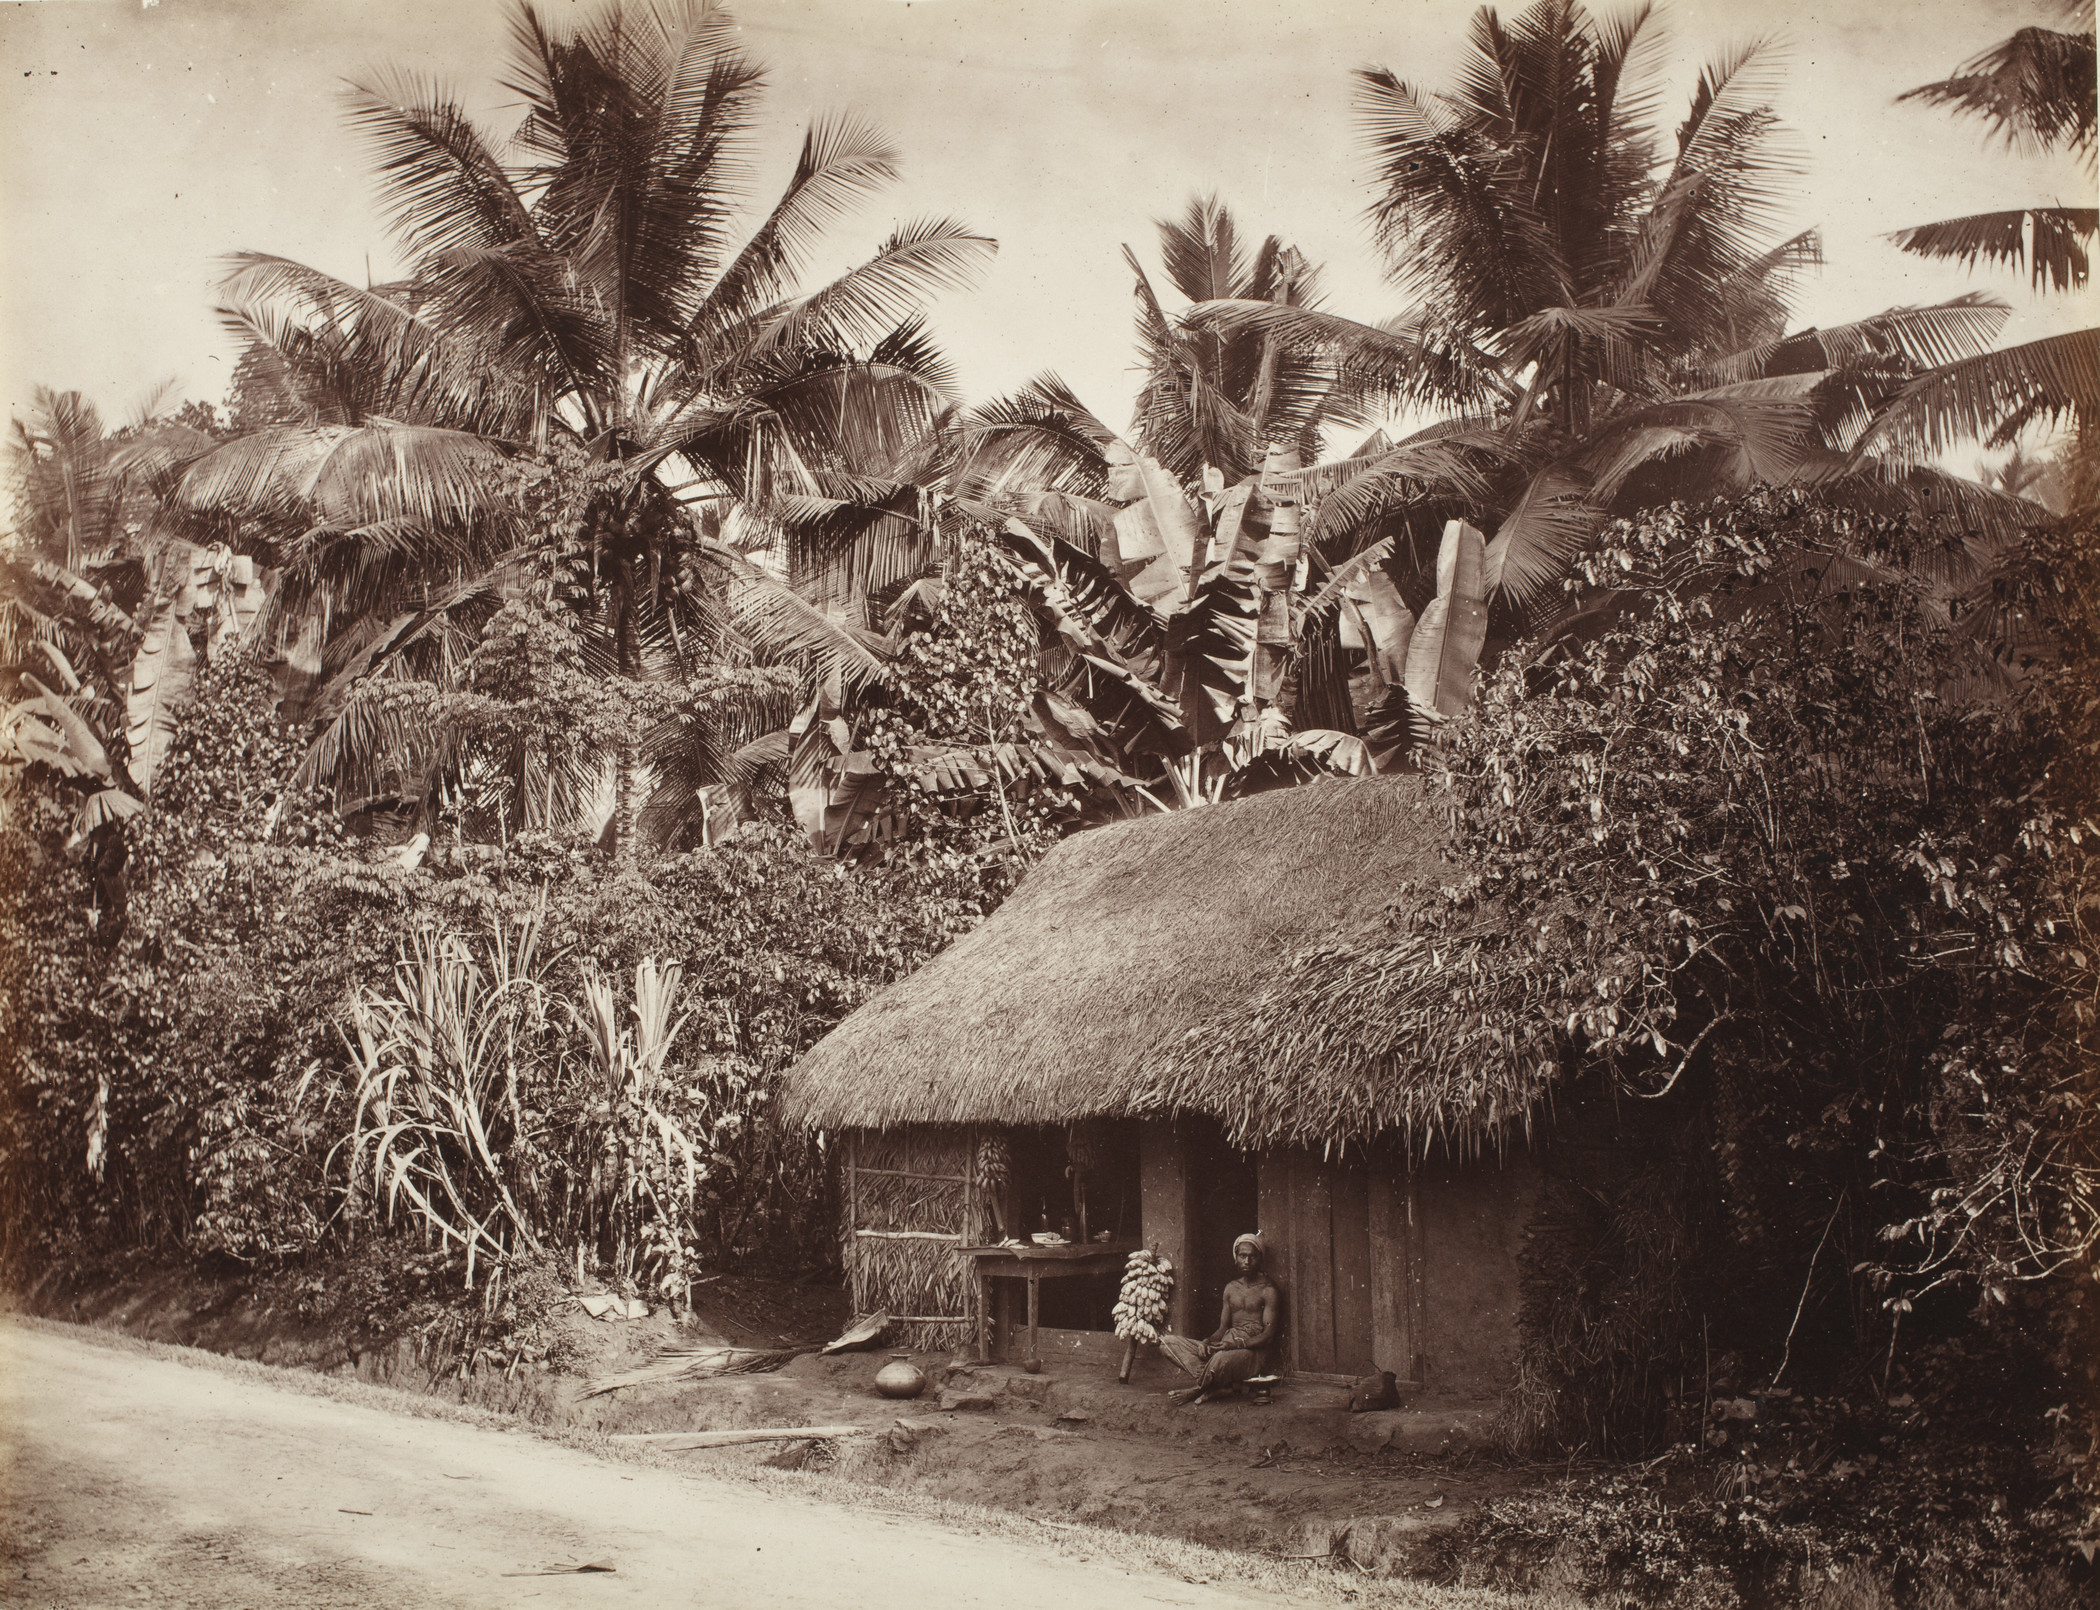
(695, 1363)
(698, 1363)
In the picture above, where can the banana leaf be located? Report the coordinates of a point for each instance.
(29, 741)
(1452, 631)
(68, 678)
(161, 673)
(84, 748)
(1391, 727)
(1341, 752)
(1172, 517)
(1085, 601)
(1137, 537)
(1209, 649)
(100, 611)
(1387, 621)
(1232, 509)
(1160, 584)
(833, 789)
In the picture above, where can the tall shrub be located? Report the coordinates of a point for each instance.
(1800, 846)
(181, 1086)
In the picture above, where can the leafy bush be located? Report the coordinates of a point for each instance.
(1796, 846)
(185, 1087)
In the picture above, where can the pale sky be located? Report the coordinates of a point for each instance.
(138, 144)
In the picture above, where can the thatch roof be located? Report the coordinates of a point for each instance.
(1253, 961)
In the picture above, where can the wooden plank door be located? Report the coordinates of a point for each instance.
(1317, 1217)
(1396, 1273)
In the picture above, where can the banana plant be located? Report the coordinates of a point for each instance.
(1201, 642)
(103, 737)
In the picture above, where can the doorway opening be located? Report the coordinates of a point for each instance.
(1224, 1202)
(1079, 1181)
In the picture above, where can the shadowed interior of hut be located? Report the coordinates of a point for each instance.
(1081, 1182)
(1224, 1202)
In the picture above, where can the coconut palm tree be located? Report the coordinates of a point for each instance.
(73, 504)
(1598, 308)
(586, 284)
(2035, 91)
(1219, 399)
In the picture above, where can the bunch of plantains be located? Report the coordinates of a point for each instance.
(1141, 1306)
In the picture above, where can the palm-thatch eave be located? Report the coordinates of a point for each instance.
(1254, 962)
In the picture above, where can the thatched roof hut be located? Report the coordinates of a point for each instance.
(1253, 962)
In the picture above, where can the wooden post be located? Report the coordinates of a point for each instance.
(1163, 1216)
(984, 1316)
(1393, 1327)
(1033, 1363)
(852, 1248)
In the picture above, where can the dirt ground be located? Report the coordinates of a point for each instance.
(1300, 1476)
(135, 1479)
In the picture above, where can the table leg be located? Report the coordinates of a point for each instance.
(1034, 1361)
(984, 1318)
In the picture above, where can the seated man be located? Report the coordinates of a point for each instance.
(1238, 1349)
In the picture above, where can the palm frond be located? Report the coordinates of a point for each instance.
(1741, 82)
(1204, 259)
(780, 621)
(1769, 424)
(2054, 378)
(2035, 90)
(345, 476)
(337, 353)
(919, 261)
(842, 161)
(519, 312)
(1550, 524)
(1411, 360)
(1949, 528)
(2061, 237)
(441, 186)
(1452, 465)
(1042, 437)
(1449, 193)
(1521, 343)
(1943, 332)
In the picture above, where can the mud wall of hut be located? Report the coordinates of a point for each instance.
(1471, 1228)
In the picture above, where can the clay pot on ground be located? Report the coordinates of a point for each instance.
(900, 1378)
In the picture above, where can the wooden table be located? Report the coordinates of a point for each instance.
(1035, 1265)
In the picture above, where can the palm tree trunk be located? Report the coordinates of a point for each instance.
(1289, 266)
(626, 782)
(627, 771)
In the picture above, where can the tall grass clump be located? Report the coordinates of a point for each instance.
(507, 1117)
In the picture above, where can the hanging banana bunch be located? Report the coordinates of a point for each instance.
(994, 1166)
(1079, 1164)
(1079, 1151)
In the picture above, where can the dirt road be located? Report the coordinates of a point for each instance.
(134, 1479)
